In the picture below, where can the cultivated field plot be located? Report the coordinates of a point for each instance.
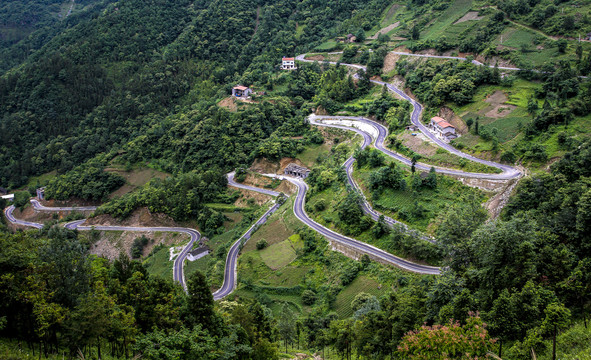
(360, 284)
(281, 254)
(452, 14)
(503, 108)
(290, 275)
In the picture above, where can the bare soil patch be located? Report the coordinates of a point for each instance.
(417, 144)
(493, 60)
(453, 119)
(141, 217)
(500, 111)
(427, 52)
(497, 108)
(229, 103)
(246, 195)
(320, 111)
(69, 203)
(112, 243)
(390, 62)
(470, 15)
(495, 204)
(496, 98)
(264, 166)
(315, 58)
(484, 184)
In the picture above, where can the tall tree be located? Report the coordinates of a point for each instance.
(200, 302)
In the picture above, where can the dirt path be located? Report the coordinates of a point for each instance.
(257, 21)
(71, 8)
(534, 30)
(495, 204)
(385, 30)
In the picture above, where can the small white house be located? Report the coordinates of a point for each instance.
(442, 129)
(288, 63)
(241, 91)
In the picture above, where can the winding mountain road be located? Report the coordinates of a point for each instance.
(377, 134)
(230, 277)
(8, 213)
(300, 213)
(177, 269)
(230, 271)
(508, 172)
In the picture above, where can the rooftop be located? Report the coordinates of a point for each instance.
(240, 87)
(444, 124)
(288, 59)
(437, 119)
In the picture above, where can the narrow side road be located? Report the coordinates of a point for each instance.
(300, 212)
(37, 205)
(230, 272)
(365, 205)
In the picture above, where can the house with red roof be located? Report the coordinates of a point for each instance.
(442, 129)
(288, 63)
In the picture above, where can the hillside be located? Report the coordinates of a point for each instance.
(443, 213)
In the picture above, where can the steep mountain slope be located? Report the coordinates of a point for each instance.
(108, 78)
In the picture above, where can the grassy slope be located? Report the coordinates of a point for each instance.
(455, 11)
(435, 201)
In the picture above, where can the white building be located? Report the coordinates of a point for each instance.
(288, 63)
(241, 91)
(442, 129)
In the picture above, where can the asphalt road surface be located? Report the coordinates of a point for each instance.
(508, 172)
(365, 206)
(178, 266)
(8, 212)
(298, 208)
(230, 273)
(37, 205)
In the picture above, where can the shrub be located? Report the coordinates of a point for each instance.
(308, 297)
(320, 205)
(137, 248)
(261, 244)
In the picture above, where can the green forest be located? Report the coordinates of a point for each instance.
(95, 94)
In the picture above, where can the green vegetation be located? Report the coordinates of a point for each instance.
(137, 248)
(158, 264)
(414, 198)
(88, 182)
(116, 87)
